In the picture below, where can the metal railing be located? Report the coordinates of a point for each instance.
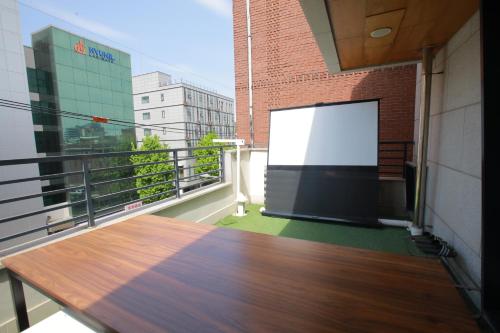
(393, 156)
(100, 184)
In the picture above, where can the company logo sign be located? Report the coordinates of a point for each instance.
(93, 52)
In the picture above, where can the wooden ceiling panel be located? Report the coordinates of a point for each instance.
(387, 20)
(352, 51)
(352, 23)
(374, 7)
(415, 24)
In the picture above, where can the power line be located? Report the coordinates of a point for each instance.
(81, 116)
(179, 69)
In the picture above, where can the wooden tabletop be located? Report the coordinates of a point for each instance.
(155, 274)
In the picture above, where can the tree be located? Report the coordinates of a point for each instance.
(166, 177)
(207, 159)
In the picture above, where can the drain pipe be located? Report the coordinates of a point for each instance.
(423, 142)
(250, 79)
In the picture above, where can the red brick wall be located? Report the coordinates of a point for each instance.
(288, 70)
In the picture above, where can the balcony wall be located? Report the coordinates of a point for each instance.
(453, 202)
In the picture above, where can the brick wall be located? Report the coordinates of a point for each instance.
(288, 70)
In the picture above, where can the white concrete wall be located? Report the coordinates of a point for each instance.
(453, 202)
(150, 81)
(253, 168)
(16, 130)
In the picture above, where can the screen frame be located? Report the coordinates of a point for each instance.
(378, 100)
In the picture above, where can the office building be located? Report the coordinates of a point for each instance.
(16, 133)
(70, 73)
(179, 113)
(74, 74)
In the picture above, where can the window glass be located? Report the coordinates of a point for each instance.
(145, 99)
(163, 113)
(146, 116)
(162, 97)
(147, 131)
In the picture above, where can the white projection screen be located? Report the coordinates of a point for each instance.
(337, 134)
(323, 162)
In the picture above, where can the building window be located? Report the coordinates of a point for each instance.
(163, 113)
(164, 131)
(146, 116)
(162, 97)
(147, 131)
(145, 99)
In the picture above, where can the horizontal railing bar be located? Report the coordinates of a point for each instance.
(99, 155)
(202, 182)
(130, 166)
(201, 165)
(131, 178)
(42, 194)
(199, 174)
(12, 218)
(131, 190)
(195, 157)
(45, 177)
(134, 201)
(391, 165)
(48, 226)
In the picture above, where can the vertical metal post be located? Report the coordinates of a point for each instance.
(176, 166)
(16, 287)
(423, 140)
(238, 170)
(88, 192)
(405, 156)
(222, 165)
(250, 79)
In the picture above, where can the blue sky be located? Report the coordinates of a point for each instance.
(190, 39)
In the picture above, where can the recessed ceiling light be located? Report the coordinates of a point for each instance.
(380, 32)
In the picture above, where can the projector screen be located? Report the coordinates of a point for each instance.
(323, 162)
(338, 134)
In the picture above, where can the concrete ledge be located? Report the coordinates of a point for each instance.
(162, 204)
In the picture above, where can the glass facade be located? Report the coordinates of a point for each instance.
(77, 75)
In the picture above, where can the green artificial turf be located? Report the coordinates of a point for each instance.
(387, 239)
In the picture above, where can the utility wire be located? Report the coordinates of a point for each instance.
(81, 116)
(130, 48)
(57, 112)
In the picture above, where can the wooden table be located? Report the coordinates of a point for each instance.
(155, 274)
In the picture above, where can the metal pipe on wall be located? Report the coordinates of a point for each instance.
(423, 141)
(250, 79)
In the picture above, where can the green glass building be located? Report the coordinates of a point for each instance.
(74, 74)
(70, 73)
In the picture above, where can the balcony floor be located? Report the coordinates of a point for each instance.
(387, 239)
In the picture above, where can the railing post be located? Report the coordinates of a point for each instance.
(88, 192)
(176, 166)
(405, 156)
(222, 166)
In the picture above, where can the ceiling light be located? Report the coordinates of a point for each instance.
(380, 32)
